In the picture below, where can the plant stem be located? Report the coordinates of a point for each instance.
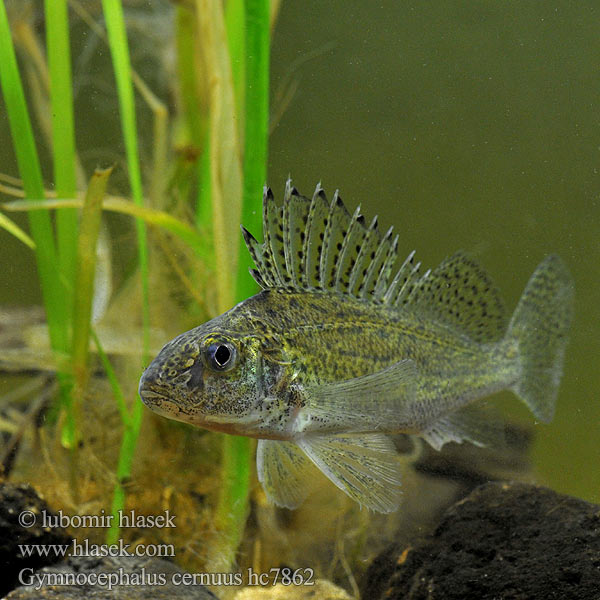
(232, 509)
(257, 132)
(225, 165)
(63, 137)
(117, 38)
(86, 269)
(29, 169)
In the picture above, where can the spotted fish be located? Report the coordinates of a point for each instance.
(346, 344)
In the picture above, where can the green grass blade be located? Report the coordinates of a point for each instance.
(91, 218)
(257, 132)
(194, 109)
(131, 430)
(82, 311)
(15, 230)
(30, 172)
(194, 238)
(115, 24)
(127, 451)
(112, 379)
(63, 134)
(232, 509)
(235, 17)
(117, 39)
(195, 112)
(225, 157)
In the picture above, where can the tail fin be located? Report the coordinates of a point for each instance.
(540, 325)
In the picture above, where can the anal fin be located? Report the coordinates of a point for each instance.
(476, 424)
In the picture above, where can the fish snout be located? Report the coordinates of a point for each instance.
(154, 386)
(148, 381)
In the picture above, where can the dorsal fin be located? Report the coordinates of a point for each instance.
(313, 240)
(273, 245)
(295, 217)
(338, 222)
(460, 294)
(313, 245)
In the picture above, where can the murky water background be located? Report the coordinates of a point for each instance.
(465, 125)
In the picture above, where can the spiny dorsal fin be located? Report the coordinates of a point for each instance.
(273, 245)
(313, 240)
(338, 222)
(295, 217)
(313, 245)
(365, 258)
(378, 271)
(348, 253)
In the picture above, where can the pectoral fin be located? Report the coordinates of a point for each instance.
(366, 467)
(282, 470)
(376, 402)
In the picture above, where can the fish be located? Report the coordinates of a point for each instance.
(345, 346)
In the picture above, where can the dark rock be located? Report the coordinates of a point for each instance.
(141, 578)
(505, 541)
(22, 501)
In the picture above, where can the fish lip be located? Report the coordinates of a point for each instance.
(161, 404)
(150, 396)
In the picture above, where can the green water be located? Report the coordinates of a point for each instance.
(465, 125)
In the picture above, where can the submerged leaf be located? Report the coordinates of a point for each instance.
(151, 216)
(15, 230)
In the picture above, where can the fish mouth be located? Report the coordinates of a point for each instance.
(161, 402)
(151, 397)
(161, 405)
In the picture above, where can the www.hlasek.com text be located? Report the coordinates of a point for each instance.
(87, 548)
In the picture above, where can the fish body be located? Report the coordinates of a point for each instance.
(341, 349)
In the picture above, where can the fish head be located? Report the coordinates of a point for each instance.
(210, 376)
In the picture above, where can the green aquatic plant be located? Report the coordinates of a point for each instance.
(231, 513)
(226, 129)
(117, 38)
(55, 258)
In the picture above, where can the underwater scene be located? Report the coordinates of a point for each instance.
(299, 300)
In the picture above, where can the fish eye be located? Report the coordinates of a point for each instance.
(221, 356)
